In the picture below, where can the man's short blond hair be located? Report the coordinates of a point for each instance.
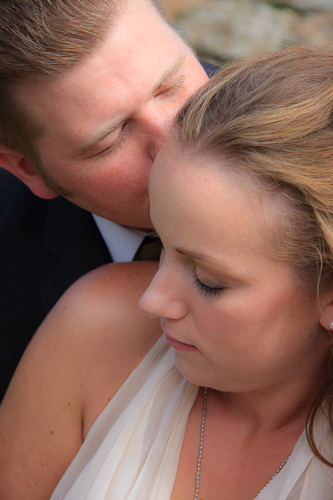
(41, 40)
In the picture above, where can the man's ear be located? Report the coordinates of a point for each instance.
(16, 164)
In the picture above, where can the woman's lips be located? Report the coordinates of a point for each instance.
(176, 344)
(179, 346)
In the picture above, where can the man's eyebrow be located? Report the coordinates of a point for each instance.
(92, 142)
(171, 71)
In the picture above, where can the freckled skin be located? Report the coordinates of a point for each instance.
(92, 355)
(115, 82)
(250, 334)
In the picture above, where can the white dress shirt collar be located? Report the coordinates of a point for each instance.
(122, 242)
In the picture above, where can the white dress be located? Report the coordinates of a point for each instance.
(132, 450)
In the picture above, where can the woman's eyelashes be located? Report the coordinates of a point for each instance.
(208, 291)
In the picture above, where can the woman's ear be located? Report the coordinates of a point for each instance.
(16, 163)
(326, 317)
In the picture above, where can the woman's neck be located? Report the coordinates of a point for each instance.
(273, 409)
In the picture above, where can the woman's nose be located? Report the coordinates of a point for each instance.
(163, 298)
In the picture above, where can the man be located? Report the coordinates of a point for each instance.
(88, 95)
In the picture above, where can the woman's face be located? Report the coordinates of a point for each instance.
(237, 317)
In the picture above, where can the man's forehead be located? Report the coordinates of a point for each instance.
(121, 47)
(108, 86)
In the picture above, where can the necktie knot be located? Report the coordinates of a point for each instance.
(150, 249)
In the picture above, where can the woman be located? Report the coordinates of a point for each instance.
(234, 401)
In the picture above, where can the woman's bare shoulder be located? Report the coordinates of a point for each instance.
(84, 350)
(101, 304)
(110, 289)
(110, 332)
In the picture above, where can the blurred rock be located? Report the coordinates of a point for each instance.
(311, 4)
(180, 7)
(231, 28)
(316, 30)
(219, 30)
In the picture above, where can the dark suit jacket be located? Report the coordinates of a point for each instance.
(45, 245)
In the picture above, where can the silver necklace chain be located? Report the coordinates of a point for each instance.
(202, 433)
(274, 475)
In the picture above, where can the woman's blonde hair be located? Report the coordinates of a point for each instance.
(273, 116)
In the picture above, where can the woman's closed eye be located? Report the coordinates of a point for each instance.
(208, 291)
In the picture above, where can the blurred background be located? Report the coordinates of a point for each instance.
(220, 30)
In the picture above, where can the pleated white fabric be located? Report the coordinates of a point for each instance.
(132, 450)
(305, 477)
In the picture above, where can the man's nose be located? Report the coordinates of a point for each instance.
(156, 143)
(158, 126)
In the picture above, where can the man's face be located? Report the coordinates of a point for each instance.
(107, 119)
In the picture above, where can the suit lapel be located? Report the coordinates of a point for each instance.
(71, 236)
